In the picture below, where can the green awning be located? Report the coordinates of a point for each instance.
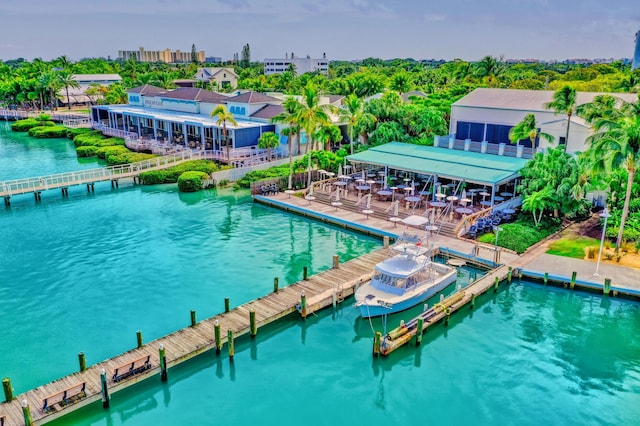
(475, 167)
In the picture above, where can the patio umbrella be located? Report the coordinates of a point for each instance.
(395, 208)
(340, 170)
(368, 201)
(364, 175)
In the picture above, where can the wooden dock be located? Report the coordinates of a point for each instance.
(320, 290)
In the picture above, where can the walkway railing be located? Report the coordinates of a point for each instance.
(19, 114)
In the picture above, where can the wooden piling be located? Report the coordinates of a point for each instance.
(573, 280)
(385, 241)
(104, 388)
(230, 343)
(305, 273)
(546, 278)
(473, 300)
(607, 286)
(227, 304)
(82, 361)
(162, 356)
(419, 328)
(446, 319)
(252, 324)
(193, 318)
(8, 389)
(275, 284)
(218, 338)
(509, 274)
(139, 338)
(336, 261)
(26, 413)
(303, 304)
(496, 284)
(376, 344)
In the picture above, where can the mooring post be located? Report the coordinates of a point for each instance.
(105, 389)
(607, 286)
(163, 363)
(8, 390)
(82, 361)
(385, 241)
(509, 274)
(139, 337)
(376, 344)
(336, 261)
(227, 304)
(230, 343)
(496, 284)
(446, 319)
(275, 284)
(305, 272)
(303, 304)
(216, 332)
(573, 279)
(419, 331)
(546, 278)
(193, 318)
(26, 412)
(252, 324)
(473, 300)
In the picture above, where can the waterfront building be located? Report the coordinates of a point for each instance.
(168, 56)
(488, 114)
(300, 65)
(221, 77)
(636, 54)
(79, 95)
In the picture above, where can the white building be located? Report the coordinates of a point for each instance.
(301, 65)
(79, 95)
(488, 115)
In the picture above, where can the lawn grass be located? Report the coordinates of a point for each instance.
(572, 246)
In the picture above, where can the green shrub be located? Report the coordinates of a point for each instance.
(105, 152)
(172, 174)
(29, 123)
(591, 252)
(191, 181)
(72, 133)
(44, 117)
(127, 158)
(86, 151)
(48, 132)
(520, 235)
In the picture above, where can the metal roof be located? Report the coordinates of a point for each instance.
(484, 169)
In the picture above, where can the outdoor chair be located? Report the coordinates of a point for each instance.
(473, 231)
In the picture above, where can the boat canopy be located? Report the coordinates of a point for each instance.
(402, 266)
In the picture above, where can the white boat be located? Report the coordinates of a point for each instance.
(404, 280)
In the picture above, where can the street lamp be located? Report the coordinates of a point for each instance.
(605, 214)
(496, 230)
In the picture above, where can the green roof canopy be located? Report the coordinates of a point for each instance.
(475, 167)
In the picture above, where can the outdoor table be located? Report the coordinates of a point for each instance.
(384, 193)
(331, 174)
(309, 199)
(464, 210)
(485, 194)
(508, 211)
(363, 187)
(474, 190)
(424, 192)
(465, 200)
(431, 228)
(485, 203)
(401, 186)
(395, 220)
(440, 195)
(412, 199)
(498, 198)
(452, 198)
(360, 180)
(340, 183)
(367, 212)
(336, 204)
(438, 204)
(289, 192)
(506, 194)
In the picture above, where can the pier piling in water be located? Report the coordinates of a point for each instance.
(230, 343)
(82, 361)
(509, 274)
(305, 273)
(104, 388)
(546, 278)
(573, 280)
(227, 304)
(385, 241)
(419, 328)
(303, 304)
(163, 363)
(607, 286)
(139, 338)
(473, 300)
(193, 318)
(336, 261)
(376, 343)
(26, 413)
(275, 284)
(8, 389)
(218, 338)
(252, 324)
(496, 284)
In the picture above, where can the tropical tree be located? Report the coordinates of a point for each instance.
(564, 102)
(289, 115)
(353, 113)
(537, 203)
(328, 134)
(66, 80)
(401, 82)
(490, 66)
(528, 128)
(616, 144)
(267, 141)
(224, 116)
(310, 116)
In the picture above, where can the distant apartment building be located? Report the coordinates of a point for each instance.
(301, 65)
(213, 60)
(636, 54)
(168, 56)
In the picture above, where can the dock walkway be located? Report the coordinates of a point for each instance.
(189, 342)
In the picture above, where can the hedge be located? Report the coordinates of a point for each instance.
(106, 151)
(72, 133)
(191, 181)
(29, 123)
(171, 175)
(48, 132)
(86, 151)
(128, 158)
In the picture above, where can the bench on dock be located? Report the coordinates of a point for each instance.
(65, 397)
(131, 368)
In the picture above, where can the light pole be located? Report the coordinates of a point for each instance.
(604, 215)
(497, 230)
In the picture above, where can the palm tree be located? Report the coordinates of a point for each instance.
(288, 115)
(327, 134)
(564, 102)
(616, 144)
(353, 112)
(66, 80)
(528, 128)
(50, 81)
(537, 202)
(310, 116)
(268, 140)
(490, 66)
(223, 116)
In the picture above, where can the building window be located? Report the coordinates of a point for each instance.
(562, 140)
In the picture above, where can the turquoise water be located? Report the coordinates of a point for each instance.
(84, 273)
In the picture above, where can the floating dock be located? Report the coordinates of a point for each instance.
(308, 295)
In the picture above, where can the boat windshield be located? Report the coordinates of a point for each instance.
(390, 281)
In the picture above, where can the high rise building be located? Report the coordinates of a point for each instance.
(300, 65)
(636, 55)
(166, 55)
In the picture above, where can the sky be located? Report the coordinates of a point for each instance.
(343, 29)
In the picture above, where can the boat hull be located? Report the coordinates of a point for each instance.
(398, 303)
